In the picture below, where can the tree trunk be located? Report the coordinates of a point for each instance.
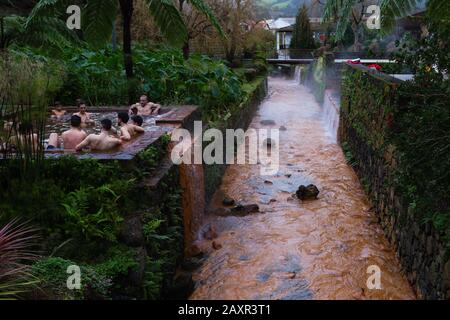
(186, 50)
(126, 8)
(2, 35)
(356, 43)
(114, 37)
(231, 53)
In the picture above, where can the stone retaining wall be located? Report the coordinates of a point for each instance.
(242, 119)
(364, 131)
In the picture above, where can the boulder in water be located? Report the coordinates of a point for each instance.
(242, 210)
(227, 201)
(267, 122)
(309, 192)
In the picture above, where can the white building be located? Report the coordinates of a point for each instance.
(283, 28)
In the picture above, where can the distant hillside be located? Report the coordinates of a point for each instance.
(286, 8)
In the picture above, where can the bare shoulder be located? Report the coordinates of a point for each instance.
(91, 137)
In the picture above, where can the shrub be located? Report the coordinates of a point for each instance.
(53, 275)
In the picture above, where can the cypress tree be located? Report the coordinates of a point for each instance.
(302, 36)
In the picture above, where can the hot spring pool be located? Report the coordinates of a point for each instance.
(63, 124)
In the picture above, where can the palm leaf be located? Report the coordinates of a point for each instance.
(97, 21)
(48, 8)
(169, 20)
(331, 9)
(392, 10)
(344, 17)
(49, 31)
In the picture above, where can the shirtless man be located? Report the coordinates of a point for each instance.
(137, 120)
(84, 115)
(58, 112)
(71, 138)
(127, 131)
(100, 142)
(22, 140)
(146, 108)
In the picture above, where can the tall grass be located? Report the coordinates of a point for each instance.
(16, 250)
(26, 89)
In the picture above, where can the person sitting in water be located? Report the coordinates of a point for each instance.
(137, 120)
(84, 115)
(22, 139)
(146, 108)
(127, 131)
(58, 112)
(100, 142)
(71, 138)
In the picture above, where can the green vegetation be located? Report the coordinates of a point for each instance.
(422, 127)
(81, 207)
(97, 77)
(410, 122)
(99, 17)
(52, 273)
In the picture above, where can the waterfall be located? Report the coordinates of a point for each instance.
(298, 74)
(331, 106)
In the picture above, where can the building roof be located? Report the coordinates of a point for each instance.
(279, 23)
(287, 24)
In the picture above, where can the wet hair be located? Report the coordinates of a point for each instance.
(123, 116)
(57, 103)
(79, 102)
(75, 121)
(106, 124)
(25, 128)
(138, 120)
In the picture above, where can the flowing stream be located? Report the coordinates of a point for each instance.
(294, 249)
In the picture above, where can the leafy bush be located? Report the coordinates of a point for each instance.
(94, 212)
(117, 262)
(98, 77)
(53, 275)
(423, 124)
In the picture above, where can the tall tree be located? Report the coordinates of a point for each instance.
(346, 13)
(302, 36)
(233, 15)
(198, 17)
